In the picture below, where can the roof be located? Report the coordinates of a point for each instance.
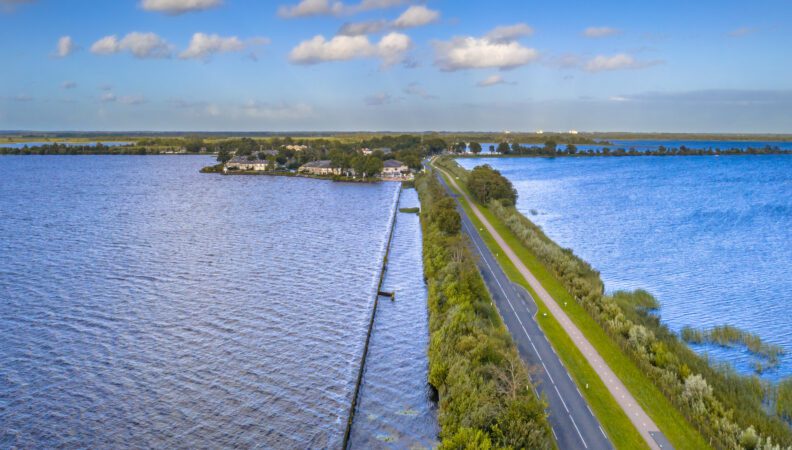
(270, 152)
(382, 149)
(323, 164)
(245, 160)
(392, 163)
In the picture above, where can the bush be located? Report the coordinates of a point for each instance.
(487, 184)
(485, 395)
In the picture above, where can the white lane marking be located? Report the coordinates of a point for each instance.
(603, 432)
(578, 431)
(561, 398)
(554, 433)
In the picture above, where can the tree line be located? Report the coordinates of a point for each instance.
(485, 395)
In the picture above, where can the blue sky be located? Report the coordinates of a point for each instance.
(288, 65)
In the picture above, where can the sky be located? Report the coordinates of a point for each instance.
(396, 65)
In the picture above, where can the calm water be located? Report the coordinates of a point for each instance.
(644, 145)
(69, 144)
(711, 237)
(146, 305)
(395, 408)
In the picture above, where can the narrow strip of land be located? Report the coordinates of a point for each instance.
(574, 425)
(642, 422)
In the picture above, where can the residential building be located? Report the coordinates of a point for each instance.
(395, 169)
(243, 163)
(324, 167)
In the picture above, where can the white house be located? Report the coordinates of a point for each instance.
(243, 163)
(323, 167)
(392, 168)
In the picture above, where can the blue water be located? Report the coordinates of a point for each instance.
(68, 144)
(710, 236)
(395, 406)
(145, 305)
(644, 145)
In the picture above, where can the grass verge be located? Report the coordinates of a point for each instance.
(613, 419)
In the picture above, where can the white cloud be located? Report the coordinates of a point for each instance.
(141, 45)
(178, 6)
(481, 53)
(620, 61)
(65, 47)
(600, 32)
(132, 100)
(307, 8)
(108, 97)
(390, 49)
(507, 33)
(497, 49)
(204, 45)
(68, 85)
(492, 80)
(416, 16)
(360, 28)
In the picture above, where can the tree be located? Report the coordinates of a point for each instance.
(475, 148)
(223, 156)
(460, 147)
(550, 147)
(503, 148)
(486, 184)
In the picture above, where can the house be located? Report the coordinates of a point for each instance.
(392, 168)
(269, 152)
(243, 163)
(324, 167)
(297, 148)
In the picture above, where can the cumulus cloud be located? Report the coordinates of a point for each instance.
(108, 97)
(68, 85)
(507, 33)
(65, 47)
(175, 7)
(361, 28)
(390, 49)
(492, 80)
(600, 32)
(620, 61)
(203, 46)
(497, 49)
(416, 16)
(141, 45)
(308, 8)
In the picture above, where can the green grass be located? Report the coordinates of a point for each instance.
(613, 419)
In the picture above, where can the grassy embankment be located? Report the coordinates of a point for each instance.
(486, 399)
(613, 419)
(728, 409)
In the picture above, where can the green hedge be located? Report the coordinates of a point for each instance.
(486, 398)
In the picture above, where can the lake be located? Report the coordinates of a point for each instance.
(395, 406)
(710, 236)
(645, 145)
(68, 144)
(146, 305)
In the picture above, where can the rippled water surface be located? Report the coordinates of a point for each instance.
(711, 237)
(395, 406)
(147, 305)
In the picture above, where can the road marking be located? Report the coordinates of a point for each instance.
(578, 431)
(561, 398)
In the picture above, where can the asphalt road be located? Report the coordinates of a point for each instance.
(573, 423)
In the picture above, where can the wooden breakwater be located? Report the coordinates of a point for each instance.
(361, 369)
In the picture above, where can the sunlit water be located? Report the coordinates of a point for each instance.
(710, 236)
(145, 305)
(395, 407)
